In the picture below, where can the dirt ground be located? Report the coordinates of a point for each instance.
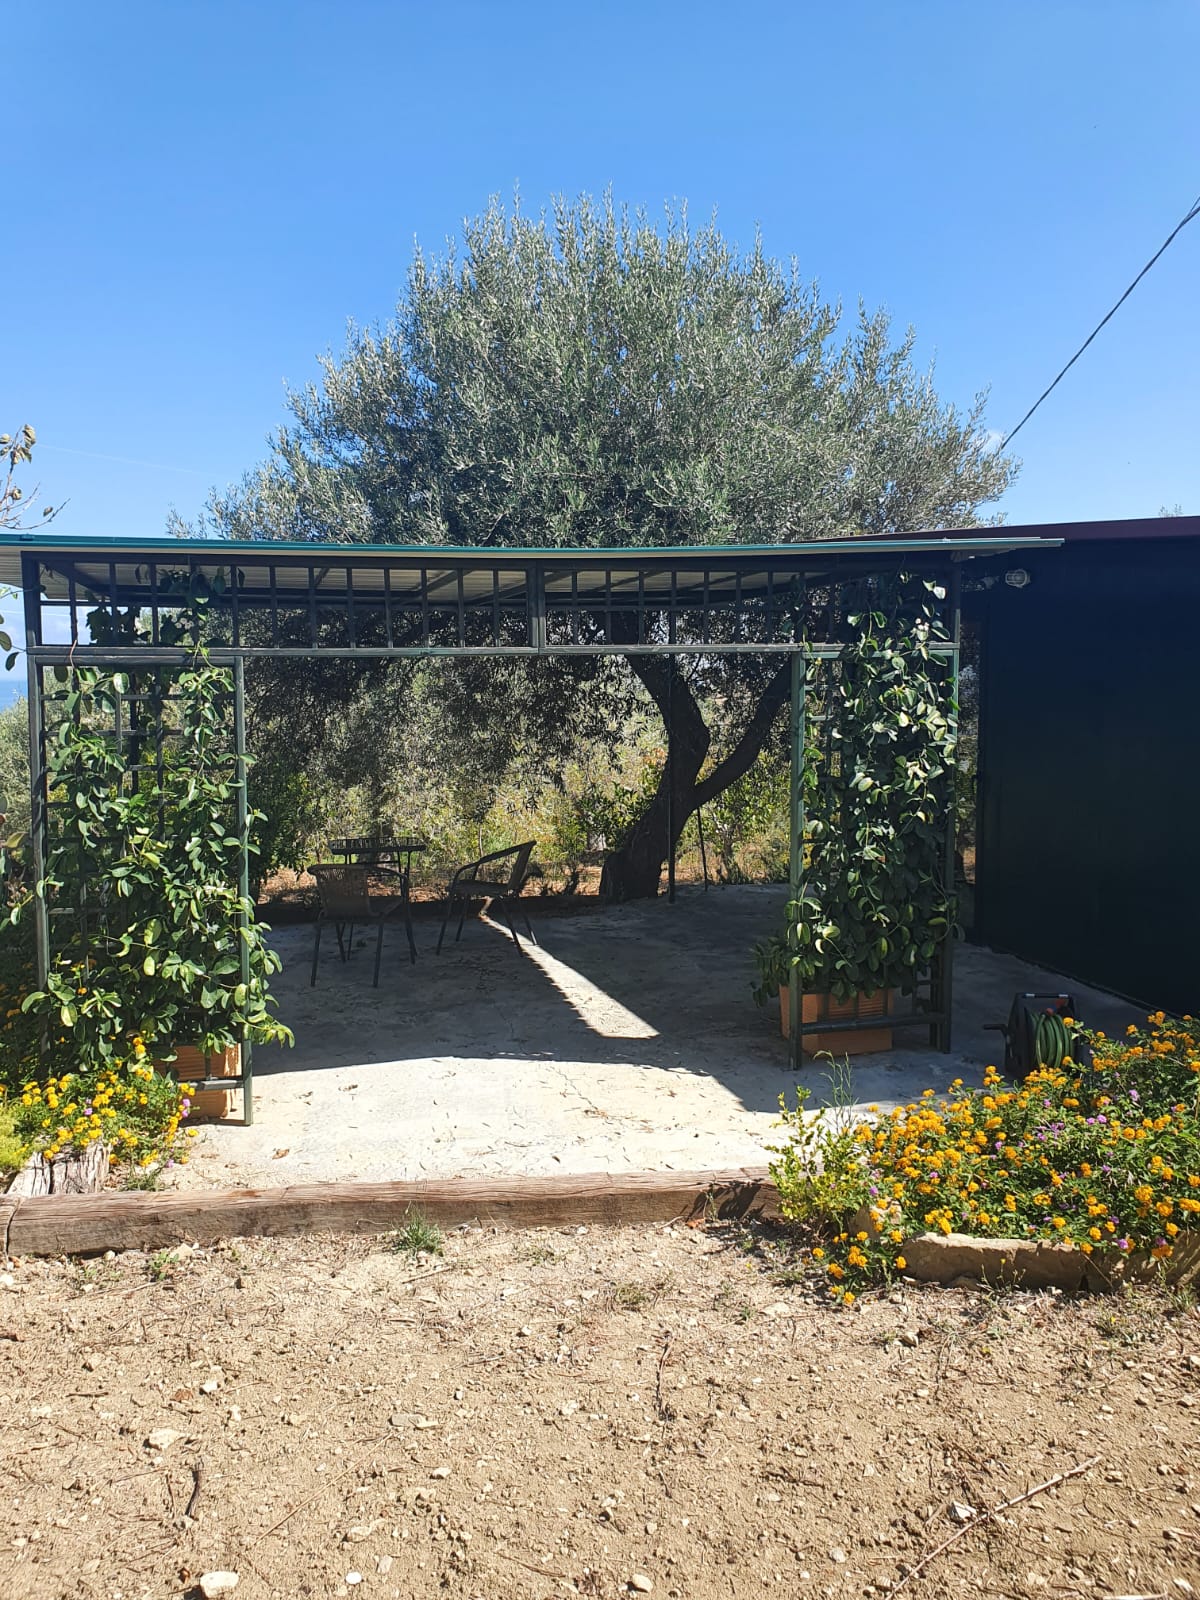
(542, 1414)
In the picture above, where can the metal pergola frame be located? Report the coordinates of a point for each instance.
(280, 601)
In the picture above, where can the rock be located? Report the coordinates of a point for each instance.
(213, 1584)
(210, 1386)
(163, 1438)
(410, 1419)
(353, 1577)
(440, 1472)
(837, 1555)
(640, 1583)
(1035, 1264)
(779, 1308)
(909, 1337)
(383, 1565)
(962, 1513)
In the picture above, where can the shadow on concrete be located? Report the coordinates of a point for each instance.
(650, 984)
(646, 984)
(626, 1040)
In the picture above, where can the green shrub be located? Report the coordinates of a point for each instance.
(19, 1031)
(14, 1148)
(163, 857)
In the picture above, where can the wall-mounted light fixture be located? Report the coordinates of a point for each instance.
(1016, 578)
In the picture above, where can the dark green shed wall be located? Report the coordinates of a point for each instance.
(1088, 857)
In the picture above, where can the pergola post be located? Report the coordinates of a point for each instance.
(31, 596)
(243, 833)
(796, 831)
(941, 997)
(670, 786)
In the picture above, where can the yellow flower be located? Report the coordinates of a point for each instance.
(901, 1263)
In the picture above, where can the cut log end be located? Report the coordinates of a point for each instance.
(85, 1173)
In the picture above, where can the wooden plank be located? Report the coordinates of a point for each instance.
(83, 1225)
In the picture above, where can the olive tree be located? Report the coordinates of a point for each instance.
(589, 377)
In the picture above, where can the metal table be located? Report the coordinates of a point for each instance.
(391, 858)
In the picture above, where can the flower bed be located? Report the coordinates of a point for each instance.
(1103, 1158)
(134, 1111)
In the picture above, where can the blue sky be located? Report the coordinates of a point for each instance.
(200, 195)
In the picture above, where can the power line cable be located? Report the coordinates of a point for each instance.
(1193, 212)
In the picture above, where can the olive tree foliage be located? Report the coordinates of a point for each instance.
(590, 377)
(16, 451)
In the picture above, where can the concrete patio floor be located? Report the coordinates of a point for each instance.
(627, 1039)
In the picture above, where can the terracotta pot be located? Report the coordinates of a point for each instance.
(191, 1063)
(824, 1008)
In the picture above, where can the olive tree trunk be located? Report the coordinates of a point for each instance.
(634, 869)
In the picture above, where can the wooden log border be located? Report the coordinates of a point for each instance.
(77, 1225)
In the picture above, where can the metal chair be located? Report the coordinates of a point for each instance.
(345, 895)
(470, 886)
